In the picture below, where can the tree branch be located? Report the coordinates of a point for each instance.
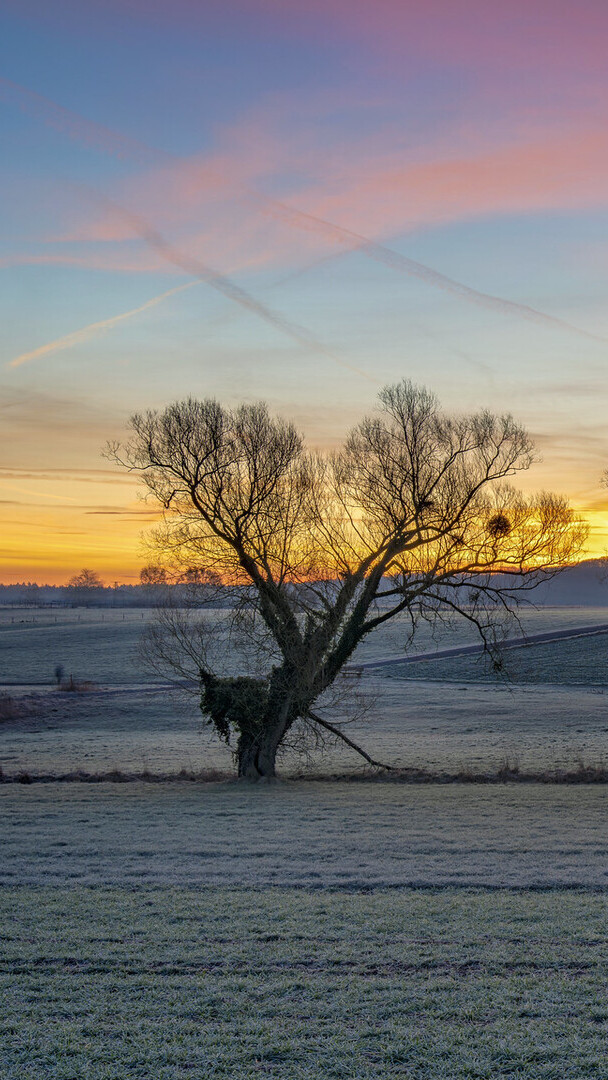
(349, 742)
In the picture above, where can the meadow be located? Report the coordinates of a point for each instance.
(108, 983)
(104, 645)
(545, 711)
(313, 928)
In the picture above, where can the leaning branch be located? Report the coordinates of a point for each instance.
(349, 742)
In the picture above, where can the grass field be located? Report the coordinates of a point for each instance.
(164, 984)
(313, 835)
(313, 929)
(104, 646)
(555, 717)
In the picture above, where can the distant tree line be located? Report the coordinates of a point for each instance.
(87, 589)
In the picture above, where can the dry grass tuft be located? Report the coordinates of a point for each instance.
(76, 686)
(11, 709)
(118, 776)
(506, 773)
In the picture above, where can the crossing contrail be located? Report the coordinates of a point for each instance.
(196, 269)
(222, 283)
(79, 337)
(102, 138)
(79, 128)
(393, 259)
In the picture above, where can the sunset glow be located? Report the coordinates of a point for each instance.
(297, 202)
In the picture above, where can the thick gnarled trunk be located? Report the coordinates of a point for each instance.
(259, 711)
(260, 739)
(256, 754)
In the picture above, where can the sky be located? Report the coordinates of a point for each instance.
(299, 201)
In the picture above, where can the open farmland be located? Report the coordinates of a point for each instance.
(104, 645)
(305, 930)
(309, 834)
(313, 928)
(546, 711)
(177, 983)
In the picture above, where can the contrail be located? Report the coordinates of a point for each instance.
(78, 337)
(100, 137)
(103, 138)
(223, 284)
(393, 259)
(424, 330)
(79, 128)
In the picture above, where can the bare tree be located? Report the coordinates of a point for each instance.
(84, 588)
(414, 515)
(152, 575)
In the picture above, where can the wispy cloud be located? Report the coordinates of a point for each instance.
(86, 476)
(38, 426)
(36, 494)
(133, 513)
(389, 195)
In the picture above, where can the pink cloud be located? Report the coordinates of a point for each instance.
(568, 172)
(380, 185)
(210, 208)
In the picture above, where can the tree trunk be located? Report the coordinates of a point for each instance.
(256, 754)
(259, 712)
(260, 737)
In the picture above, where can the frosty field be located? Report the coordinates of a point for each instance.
(103, 645)
(175, 983)
(313, 928)
(548, 710)
(309, 834)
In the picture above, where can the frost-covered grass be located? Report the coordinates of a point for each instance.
(131, 725)
(443, 728)
(307, 930)
(169, 983)
(103, 645)
(90, 644)
(569, 662)
(314, 835)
